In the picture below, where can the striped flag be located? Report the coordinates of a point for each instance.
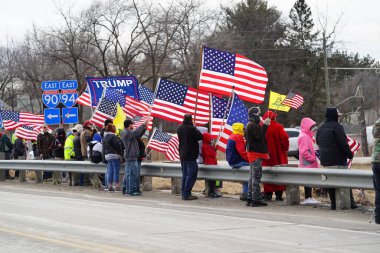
(293, 100)
(106, 109)
(85, 98)
(165, 143)
(238, 113)
(223, 70)
(218, 111)
(12, 120)
(28, 132)
(138, 110)
(173, 100)
(354, 147)
(202, 111)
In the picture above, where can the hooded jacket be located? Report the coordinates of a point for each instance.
(235, 150)
(332, 141)
(112, 146)
(307, 156)
(131, 146)
(69, 146)
(208, 152)
(188, 137)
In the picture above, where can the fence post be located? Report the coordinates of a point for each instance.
(292, 195)
(176, 185)
(2, 172)
(147, 184)
(342, 198)
(22, 173)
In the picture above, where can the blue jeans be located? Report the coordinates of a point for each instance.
(237, 166)
(189, 177)
(131, 174)
(376, 184)
(113, 168)
(138, 176)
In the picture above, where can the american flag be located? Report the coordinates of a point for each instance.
(106, 108)
(293, 100)
(218, 111)
(138, 110)
(223, 70)
(164, 143)
(85, 98)
(12, 120)
(354, 147)
(173, 100)
(28, 132)
(237, 114)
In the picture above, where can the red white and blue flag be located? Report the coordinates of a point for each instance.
(28, 132)
(354, 147)
(221, 71)
(219, 113)
(165, 143)
(12, 120)
(138, 110)
(106, 108)
(293, 100)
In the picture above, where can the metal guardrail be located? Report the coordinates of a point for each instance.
(353, 178)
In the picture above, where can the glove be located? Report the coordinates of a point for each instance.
(267, 121)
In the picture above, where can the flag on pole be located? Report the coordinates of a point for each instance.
(85, 98)
(13, 120)
(218, 111)
(223, 70)
(106, 109)
(173, 100)
(238, 113)
(354, 147)
(293, 100)
(202, 110)
(165, 143)
(275, 102)
(28, 132)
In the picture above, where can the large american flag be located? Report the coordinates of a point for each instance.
(106, 109)
(293, 100)
(223, 70)
(138, 110)
(173, 100)
(12, 120)
(28, 132)
(219, 111)
(237, 114)
(165, 143)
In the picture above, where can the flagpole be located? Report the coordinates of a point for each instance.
(224, 115)
(154, 131)
(199, 79)
(154, 96)
(281, 102)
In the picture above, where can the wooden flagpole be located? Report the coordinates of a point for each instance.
(199, 79)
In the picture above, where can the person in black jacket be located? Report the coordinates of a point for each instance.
(188, 137)
(333, 147)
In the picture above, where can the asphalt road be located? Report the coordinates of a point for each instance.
(43, 218)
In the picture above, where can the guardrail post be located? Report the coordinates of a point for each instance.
(147, 184)
(292, 195)
(342, 198)
(176, 185)
(22, 173)
(2, 172)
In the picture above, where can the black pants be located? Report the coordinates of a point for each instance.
(376, 184)
(307, 192)
(331, 192)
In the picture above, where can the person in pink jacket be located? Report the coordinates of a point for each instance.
(307, 156)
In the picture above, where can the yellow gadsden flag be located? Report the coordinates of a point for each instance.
(275, 100)
(118, 121)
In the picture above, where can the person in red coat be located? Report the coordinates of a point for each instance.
(278, 145)
(209, 158)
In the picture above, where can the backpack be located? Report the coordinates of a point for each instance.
(94, 155)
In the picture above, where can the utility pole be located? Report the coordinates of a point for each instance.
(326, 70)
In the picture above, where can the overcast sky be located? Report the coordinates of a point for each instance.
(359, 28)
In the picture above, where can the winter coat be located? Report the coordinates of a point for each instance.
(131, 146)
(77, 148)
(255, 136)
(45, 142)
(142, 153)
(307, 156)
(58, 146)
(112, 146)
(85, 139)
(235, 150)
(188, 137)
(208, 152)
(19, 148)
(5, 144)
(69, 147)
(376, 147)
(332, 141)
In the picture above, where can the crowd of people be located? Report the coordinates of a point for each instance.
(261, 142)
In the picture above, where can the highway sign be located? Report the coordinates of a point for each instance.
(69, 85)
(70, 115)
(68, 99)
(51, 100)
(52, 116)
(50, 85)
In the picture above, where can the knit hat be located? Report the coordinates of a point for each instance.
(238, 128)
(87, 123)
(253, 111)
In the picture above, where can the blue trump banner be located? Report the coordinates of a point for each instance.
(126, 85)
